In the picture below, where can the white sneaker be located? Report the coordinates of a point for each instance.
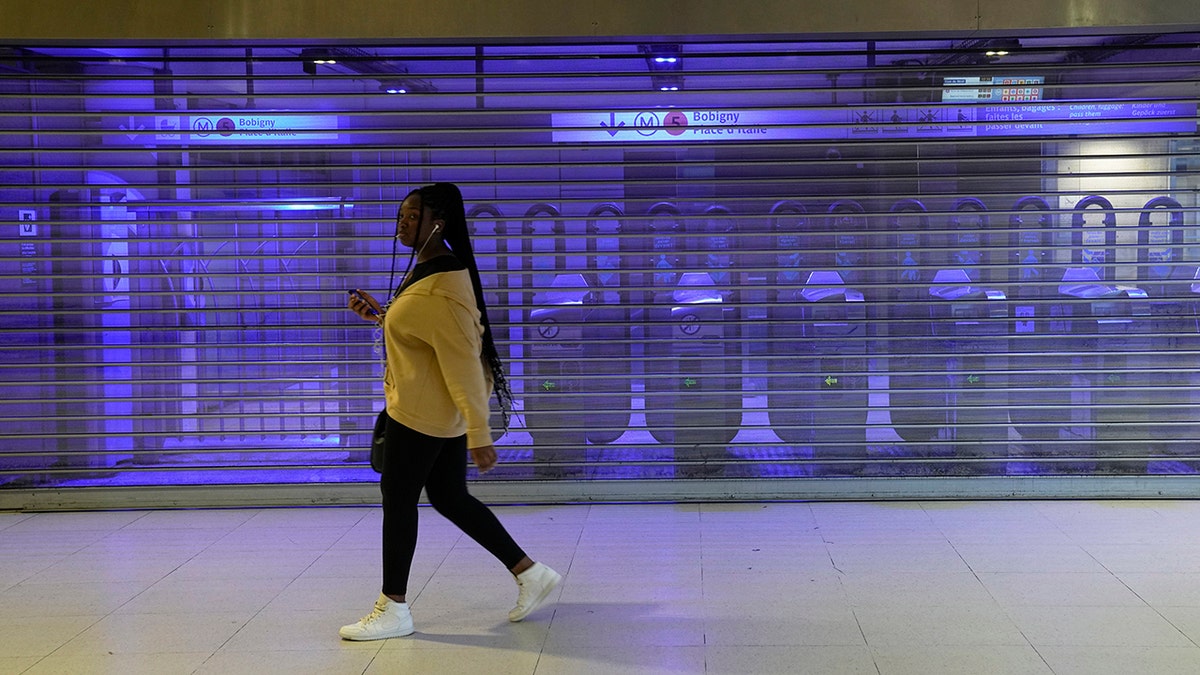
(535, 584)
(390, 619)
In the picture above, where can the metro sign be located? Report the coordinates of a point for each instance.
(946, 120)
(226, 128)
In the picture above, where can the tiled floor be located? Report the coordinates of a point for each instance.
(933, 587)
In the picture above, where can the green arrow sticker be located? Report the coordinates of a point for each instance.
(549, 386)
(690, 382)
(974, 379)
(830, 381)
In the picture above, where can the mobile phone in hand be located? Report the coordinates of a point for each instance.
(358, 295)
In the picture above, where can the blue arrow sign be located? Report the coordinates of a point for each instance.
(612, 127)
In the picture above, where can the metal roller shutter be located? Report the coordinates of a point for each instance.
(806, 264)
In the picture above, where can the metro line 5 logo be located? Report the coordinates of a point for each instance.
(675, 122)
(648, 123)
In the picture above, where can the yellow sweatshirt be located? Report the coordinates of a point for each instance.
(435, 381)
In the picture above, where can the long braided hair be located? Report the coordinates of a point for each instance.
(445, 202)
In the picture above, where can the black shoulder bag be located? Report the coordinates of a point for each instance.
(379, 441)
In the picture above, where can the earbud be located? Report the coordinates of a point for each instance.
(436, 228)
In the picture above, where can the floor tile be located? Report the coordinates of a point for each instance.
(961, 625)
(341, 563)
(765, 556)
(1096, 626)
(627, 623)
(766, 660)
(912, 587)
(41, 635)
(465, 660)
(304, 518)
(9, 518)
(929, 588)
(16, 568)
(66, 599)
(450, 628)
(1186, 619)
(770, 591)
(798, 625)
(218, 565)
(1059, 589)
(657, 660)
(198, 519)
(1100, 660)
(1164, 589)
(27, 542)
(985, 558)
(644, 590)
(146, 567)
(1171, 557)
(976, 660)
(12, 665)
(157, 633)
(188, 541)
(911, 557)
(82, 521)
(176, 596)
(277, 540)
(292, 630)
(292, 662)
(104, 663)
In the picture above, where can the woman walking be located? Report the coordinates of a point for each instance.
(441, 367)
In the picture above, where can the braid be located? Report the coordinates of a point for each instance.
(445, 202)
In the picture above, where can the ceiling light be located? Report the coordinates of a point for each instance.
(998, 49)
(392, 77)
(665, 63)
(660, 58)
(668, 82)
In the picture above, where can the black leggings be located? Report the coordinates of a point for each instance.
(413, 461)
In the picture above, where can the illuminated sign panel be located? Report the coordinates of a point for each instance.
(896, 121)
(226, 128)
(254, 128)
(993, 89)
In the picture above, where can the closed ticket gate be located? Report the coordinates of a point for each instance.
(919, 399)
(576, 384)
(553, 365)
(1041, 406)
(1174, 400)
(606, 342)
(692, 381)
(817, 384)
(849, 226)
(561, 362)
(556, 409)
(500, 255)
(693, 402)
(1117, 325)
(969, 323)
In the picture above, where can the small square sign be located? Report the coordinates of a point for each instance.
(27, 222)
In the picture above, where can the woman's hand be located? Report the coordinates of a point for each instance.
(365, 306)
(484, 457)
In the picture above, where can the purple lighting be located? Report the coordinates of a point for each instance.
(766, 259)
